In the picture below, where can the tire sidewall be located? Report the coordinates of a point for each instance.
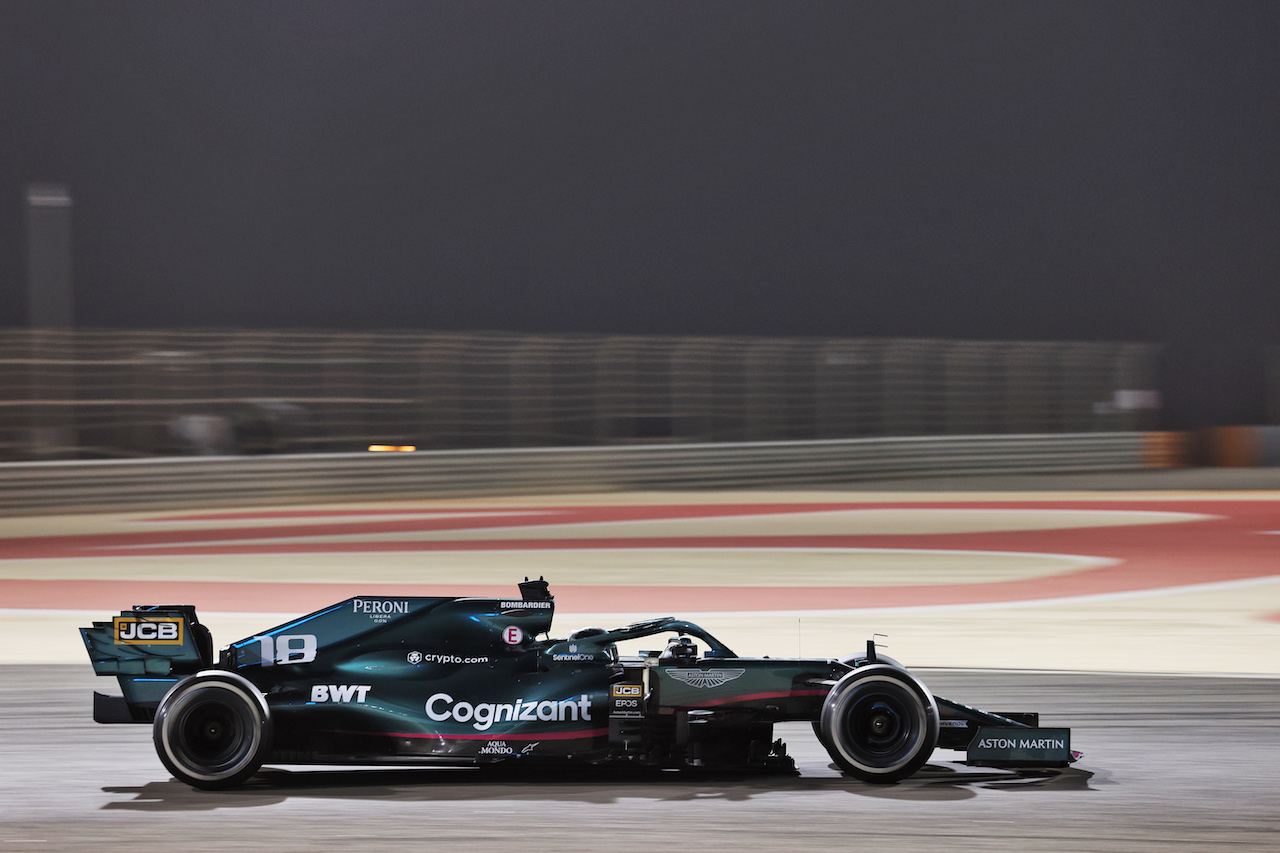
(898, 683)
(249, 711)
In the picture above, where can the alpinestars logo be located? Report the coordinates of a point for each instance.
(705, 677)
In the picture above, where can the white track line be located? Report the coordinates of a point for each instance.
(1217, 586)
(979, 606)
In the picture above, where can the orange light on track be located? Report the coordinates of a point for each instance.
(393, 448)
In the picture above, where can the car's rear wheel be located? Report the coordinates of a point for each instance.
(879, 724)
(212, 731)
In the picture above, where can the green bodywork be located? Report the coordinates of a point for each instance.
(475, 680)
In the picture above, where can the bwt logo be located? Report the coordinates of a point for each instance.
(158, 631)
(339, 693)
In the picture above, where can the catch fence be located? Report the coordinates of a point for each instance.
(104, 394)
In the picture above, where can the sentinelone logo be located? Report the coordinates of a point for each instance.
(156, 631)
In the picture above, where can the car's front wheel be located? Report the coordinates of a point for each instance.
(879, 723)
(854, 661)
(212, 731)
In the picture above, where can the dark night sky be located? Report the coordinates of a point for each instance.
(991, 170)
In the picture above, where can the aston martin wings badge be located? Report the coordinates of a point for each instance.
(705, 677)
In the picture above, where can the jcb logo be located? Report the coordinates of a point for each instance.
(626, 690)
(159, 631)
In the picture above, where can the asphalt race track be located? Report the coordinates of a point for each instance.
(1144, 614)
(1171, 763)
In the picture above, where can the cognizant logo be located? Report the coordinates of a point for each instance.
(441, 707)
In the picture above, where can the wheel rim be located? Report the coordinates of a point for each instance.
(879, 725)
(211, 733)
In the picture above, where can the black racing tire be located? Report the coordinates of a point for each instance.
(852, 660)
(879, 724)
(212, 731)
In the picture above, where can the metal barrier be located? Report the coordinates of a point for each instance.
(105, 394)
(121, 485)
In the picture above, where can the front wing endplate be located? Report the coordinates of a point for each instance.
(1000, 746)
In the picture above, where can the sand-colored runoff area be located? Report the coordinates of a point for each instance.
(1115, 581)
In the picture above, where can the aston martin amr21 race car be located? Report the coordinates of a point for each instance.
(474, 681)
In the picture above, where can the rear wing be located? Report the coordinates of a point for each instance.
(148, 649)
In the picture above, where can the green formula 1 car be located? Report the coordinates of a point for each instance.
(469, 681)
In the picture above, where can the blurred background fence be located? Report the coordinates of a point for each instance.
(130, 484)
(102, 394)
(1273, 385)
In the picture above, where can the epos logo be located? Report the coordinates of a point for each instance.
(157, 631)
